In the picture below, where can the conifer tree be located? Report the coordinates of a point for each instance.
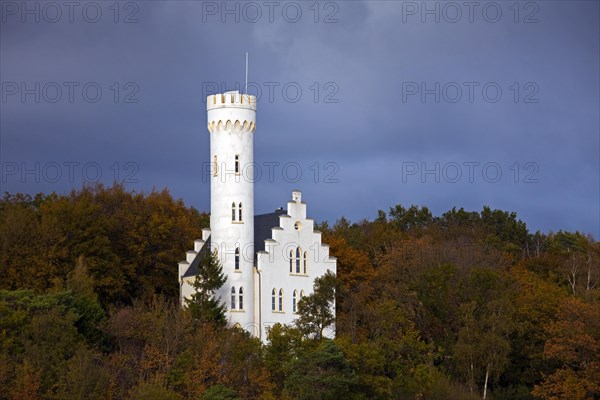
(203, 304)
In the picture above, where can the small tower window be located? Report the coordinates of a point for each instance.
(298, 225)
(240, 217)
(291, 261)
(280, 299)
(215, 166)
(232, 212)
(273, 294)
(294, 301)
(298, 253)
(233, 298)
(237, 259)
(305, 261)
(237, 164)
(241, 298)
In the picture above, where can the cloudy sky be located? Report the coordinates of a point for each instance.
(362, 105)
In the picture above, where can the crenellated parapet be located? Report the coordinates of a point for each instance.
(231, 99)
(231, 112)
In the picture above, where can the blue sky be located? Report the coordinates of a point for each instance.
(375, 103)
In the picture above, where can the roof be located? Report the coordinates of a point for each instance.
(262, 227)
(194, 267)
(262, 231)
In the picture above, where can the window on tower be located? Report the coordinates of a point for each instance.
(273, 294)
(215, 166)
(233, 298)
(237, 164)
(291, 261)
(237, 259)
(241, 305)
(232, 212)
(240, 212)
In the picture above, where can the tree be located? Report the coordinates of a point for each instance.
(203, 304)
(573, 348)
(284, 344)
(152, 391)
(413, 218)
(219, 392)
(323, 373)
(482, 349)
(316, 311)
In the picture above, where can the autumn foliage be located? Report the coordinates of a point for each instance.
(464, 305)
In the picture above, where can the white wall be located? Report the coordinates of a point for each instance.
(274, 265)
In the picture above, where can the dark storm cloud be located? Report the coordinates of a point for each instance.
(355, 132)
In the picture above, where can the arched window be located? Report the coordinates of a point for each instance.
(232, 212)
(305, 260)
(237, 258)
(240, 218)
(280, 299)
(291, 261)
(233, 298)
(237, 164)
(273, 300)
(301, 295)
(294, 301)
(298, 253)
(215, 166)
(241, 305)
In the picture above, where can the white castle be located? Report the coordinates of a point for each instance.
(270, 260)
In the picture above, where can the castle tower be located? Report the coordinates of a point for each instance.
(231, 123)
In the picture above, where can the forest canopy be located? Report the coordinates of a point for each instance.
(463, 305)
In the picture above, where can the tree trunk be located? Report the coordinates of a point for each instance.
(487, 374)
(472, 380)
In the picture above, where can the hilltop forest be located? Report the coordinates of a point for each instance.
(464, 305)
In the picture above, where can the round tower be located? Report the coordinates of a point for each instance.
(231, 123)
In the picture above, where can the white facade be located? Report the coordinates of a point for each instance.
(286, 269)
(289, 252)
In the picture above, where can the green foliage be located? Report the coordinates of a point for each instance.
(152, 391)
(425, 308)
(203, 303)
(219, 392)
(284, 345)
(315, 311)
(84, 377)
(322, 373)
(413, 218)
